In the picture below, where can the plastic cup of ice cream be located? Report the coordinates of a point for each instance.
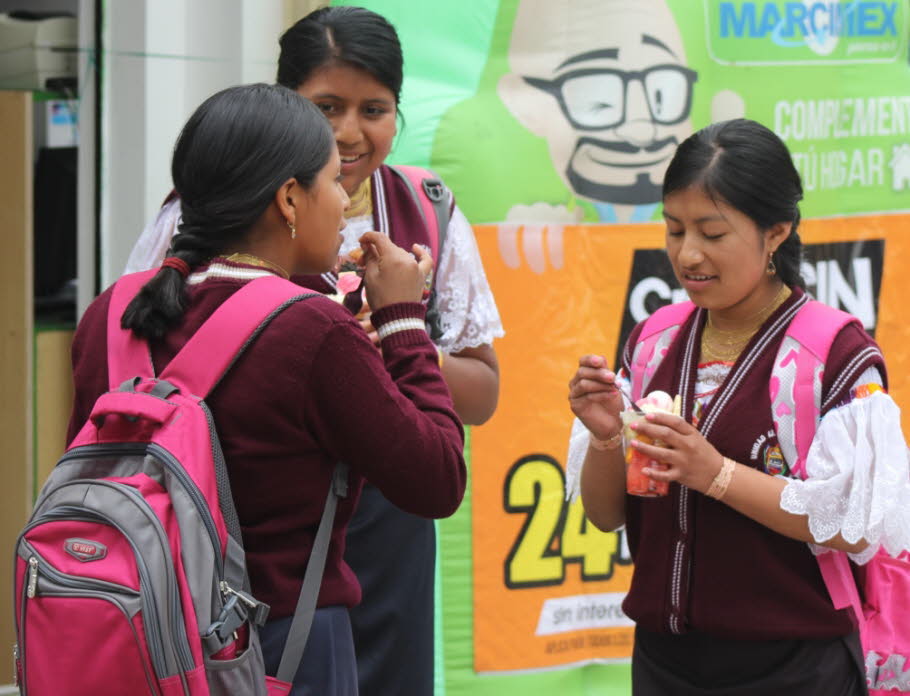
(637, 482)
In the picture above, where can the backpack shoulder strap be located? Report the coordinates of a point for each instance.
(211, 351)
(666, 317)
(664, 323)
(432, 200)
(841, 583)
(299, 631)
(429, 193)
(816, 325)
(128, 355)
(800, 364)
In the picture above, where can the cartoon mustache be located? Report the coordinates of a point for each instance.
(624, 147)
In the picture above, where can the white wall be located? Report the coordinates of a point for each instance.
(85, 181)
(163, 58)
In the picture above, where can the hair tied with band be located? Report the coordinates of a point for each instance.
(178, 264)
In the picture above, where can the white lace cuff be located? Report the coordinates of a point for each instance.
(857, 480)
(575, 459)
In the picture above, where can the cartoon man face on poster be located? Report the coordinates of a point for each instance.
(606, 83)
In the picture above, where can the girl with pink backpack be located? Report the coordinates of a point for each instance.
(788, 447)
(348, 60)
(259, 177)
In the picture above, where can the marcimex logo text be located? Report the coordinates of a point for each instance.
(751, 32)
(793, 23)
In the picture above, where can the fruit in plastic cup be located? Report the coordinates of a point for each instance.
(637, 482)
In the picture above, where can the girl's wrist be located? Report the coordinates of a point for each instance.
(611, 443)
(721, 482)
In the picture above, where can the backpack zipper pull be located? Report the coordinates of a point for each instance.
(32, 577)
(257, 612)
(228, 590)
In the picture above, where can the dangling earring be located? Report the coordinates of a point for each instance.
(293, 230)
(772, 269)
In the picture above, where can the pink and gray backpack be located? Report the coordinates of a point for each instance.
(130, 575)
(879, 591)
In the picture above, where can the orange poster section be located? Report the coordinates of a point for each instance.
(547, 584)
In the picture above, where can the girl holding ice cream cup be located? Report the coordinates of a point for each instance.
(727, 594)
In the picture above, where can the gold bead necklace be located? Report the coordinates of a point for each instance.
(718, 345)
(250, 260)
(361, 200)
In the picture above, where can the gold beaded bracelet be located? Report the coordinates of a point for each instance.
(722, 481)
(610, 443)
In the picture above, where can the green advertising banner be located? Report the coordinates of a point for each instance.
(553, 122)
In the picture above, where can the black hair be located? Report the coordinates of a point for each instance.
(348, 35)
(746, 165)
(232, 156)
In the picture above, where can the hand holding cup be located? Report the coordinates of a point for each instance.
(637, 482)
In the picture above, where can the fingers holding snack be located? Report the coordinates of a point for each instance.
(356, 256)
(594, 397)
(596, 384)
(371, 248)
(392, 274)
(592, 375)
(350, 262)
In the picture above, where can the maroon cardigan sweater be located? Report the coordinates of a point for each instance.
(310, 391)
(701, 565)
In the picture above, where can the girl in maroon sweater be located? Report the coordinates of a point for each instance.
(259, 179)
(726, 594)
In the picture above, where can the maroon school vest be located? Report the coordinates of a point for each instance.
(699, 564)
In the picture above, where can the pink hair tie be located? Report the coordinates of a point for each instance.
(178, 264)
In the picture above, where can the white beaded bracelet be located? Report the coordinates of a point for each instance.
(396, 325)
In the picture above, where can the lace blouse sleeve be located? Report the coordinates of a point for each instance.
(469, 317)
(152, 245)
(857, 480)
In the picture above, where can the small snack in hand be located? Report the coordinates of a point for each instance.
(350, 290)
(351, 284)
(637, 482)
